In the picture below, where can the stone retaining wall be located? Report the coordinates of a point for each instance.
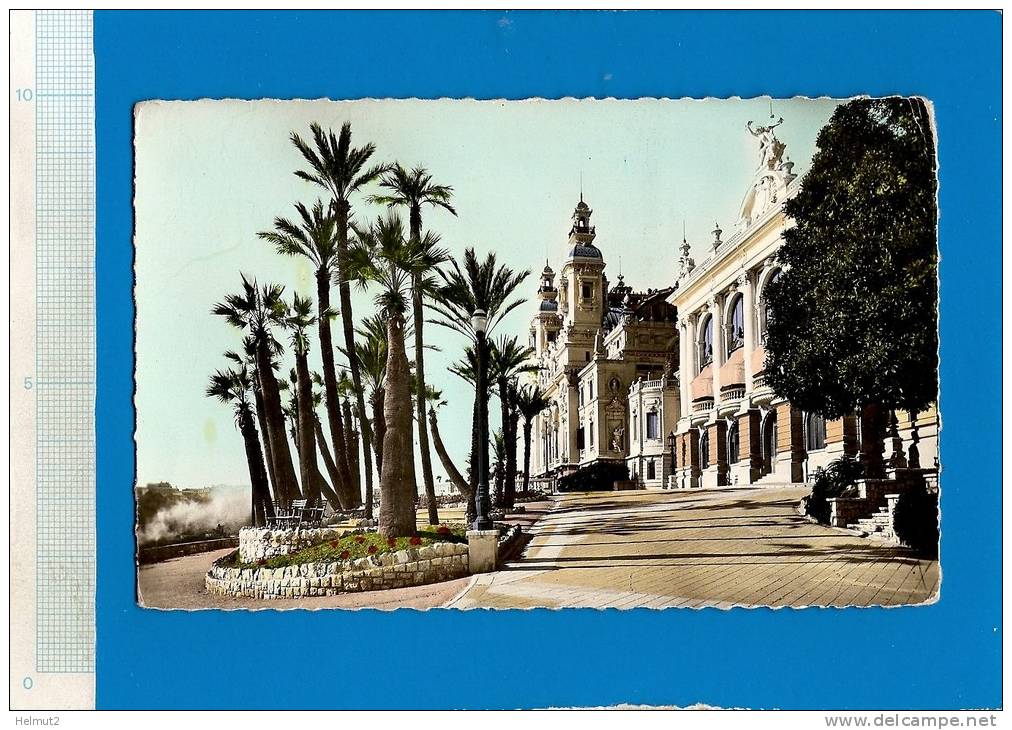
(261, 543)
(158, 553)
(413, 567)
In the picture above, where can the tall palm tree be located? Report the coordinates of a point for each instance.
(531, 400)
(314, 236)
(259, 310)
(498, 467)
(342, 171)
(293, 414)
(486, 285)
(248, 360)
(414, 189)
(382, 255)
(509, 359)
(372, 356)
(298, 319)
(233, 387)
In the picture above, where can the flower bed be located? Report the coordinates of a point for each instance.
(323, 562)
(277, 548)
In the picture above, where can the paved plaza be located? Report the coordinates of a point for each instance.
(720, 548)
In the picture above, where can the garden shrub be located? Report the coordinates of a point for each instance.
(916, 520)
(599, 475)
(837, 479)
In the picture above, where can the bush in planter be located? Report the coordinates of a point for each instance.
(600, 475)
(916, 520)
(837, 479)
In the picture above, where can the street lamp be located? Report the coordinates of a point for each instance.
(671, 448)
(479, 322)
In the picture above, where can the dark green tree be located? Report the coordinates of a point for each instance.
(852, 320)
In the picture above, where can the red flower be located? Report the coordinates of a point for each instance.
(345, 555)
(372, 549)
(335, 543)
(262, 561)
(415, 540)
(359, 539)
(391, 541)
(443, 530)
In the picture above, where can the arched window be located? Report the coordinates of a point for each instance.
(706, 343)
(737, 334)
(704, 450)
(815, 432)
(733, 441)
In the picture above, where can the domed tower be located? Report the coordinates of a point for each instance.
(583, 292)
(546, 324)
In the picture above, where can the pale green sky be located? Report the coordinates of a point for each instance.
(210, 174)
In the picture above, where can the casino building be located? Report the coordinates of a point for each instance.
(671, 380)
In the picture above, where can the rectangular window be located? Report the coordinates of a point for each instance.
(591, 434)
(651, 470)
(586, 290)
(579, 439)
(653, 426)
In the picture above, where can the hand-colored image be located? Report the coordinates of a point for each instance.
(520, 354)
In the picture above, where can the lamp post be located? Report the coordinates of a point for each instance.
(671, 448)
(479, 321)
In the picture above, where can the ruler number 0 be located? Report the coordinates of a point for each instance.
(24, 94)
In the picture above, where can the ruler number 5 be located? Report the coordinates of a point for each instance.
(24, 94)
(28, 382)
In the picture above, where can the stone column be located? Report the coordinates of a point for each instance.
(718, 450)
(684, 373)
(750, 444)
(748, 313)
(790, 457)
(717, 323)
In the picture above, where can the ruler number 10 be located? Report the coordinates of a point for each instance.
(24, 94)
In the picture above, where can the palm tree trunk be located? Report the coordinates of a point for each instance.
(351, 441)
(420, 393)
(284, 470)
(325, 490)
(308, 468)
(504, 411)
(456, 479)
(397, 480)
(343, 209)
(527, 455)
(337, 436)
(261, 495)
(328, 461)
(380, 426)
(262, 419)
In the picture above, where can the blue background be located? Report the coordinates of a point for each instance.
(943, 656)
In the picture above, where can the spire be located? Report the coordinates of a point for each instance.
(581, 186)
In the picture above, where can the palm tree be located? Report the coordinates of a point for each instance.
(486, 285)
(341, 169)
(509, 359)
(248, 360)
(233, 387)
(314, 237)
(293, 413)
(413, 189)
(531, 401)
(372, 357)
(259, 309)
(383, 256)
(300, 317)
(452, 472)
(498, 467)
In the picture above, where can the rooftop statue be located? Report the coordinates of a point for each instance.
(771, 149)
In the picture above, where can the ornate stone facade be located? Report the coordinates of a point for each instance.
(607, 358)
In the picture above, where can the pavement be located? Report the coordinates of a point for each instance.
(722, 548)
(701, 548)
